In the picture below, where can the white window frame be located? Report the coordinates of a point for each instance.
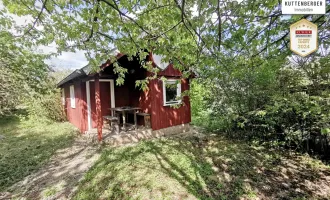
(63, 97)
(178, 90)
(72, 97)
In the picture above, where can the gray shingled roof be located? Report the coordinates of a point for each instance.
(75, 74)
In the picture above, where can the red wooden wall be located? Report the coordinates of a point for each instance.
(78, 115)
(166, 116)
(150, 101)
(145, 101)
(170, 71)
(105, 101)
(122, 96)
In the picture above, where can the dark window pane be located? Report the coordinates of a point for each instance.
(171, 93)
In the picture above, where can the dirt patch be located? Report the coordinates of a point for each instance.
(58, 179)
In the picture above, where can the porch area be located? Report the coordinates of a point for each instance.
(116, 111)
(114, 138)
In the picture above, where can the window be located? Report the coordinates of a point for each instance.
(63, 97)
(72, 98)
(171, 92)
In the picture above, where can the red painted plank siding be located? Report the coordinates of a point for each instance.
(93, 106)
(166, 116)
(150, 101)
(122, 96)
(78, 115)
(105, 101)
(83, 105)
(170, 71)
(144, 101)
(105, 98)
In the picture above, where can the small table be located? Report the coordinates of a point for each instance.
(125, 109)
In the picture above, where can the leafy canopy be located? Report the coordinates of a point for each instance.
(22, 72)
(196, 34)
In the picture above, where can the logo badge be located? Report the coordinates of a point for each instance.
(303, 37)
(303, 7)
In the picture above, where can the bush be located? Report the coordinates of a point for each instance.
(46, 107)
(297, 121)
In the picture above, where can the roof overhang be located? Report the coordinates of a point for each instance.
(87, 70)
(75, 74)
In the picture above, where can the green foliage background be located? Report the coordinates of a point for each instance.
(249, 83)
(26, 81)
(285, 103)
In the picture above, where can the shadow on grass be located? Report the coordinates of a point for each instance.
(203, 168)
(26, 146)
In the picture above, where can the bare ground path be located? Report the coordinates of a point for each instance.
(58, 179)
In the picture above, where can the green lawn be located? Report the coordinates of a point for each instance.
(208, 168)
(26, 146)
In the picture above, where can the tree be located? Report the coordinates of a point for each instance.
(193, 34)
(239, 51)
(22, 73)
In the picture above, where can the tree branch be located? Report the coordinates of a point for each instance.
(219, 25)
(38, 18)
(129, 34)
(128, 17)
(168, 30)
(93, 21)
(287, 33)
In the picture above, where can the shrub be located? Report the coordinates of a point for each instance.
(46, 107)
(297, 120)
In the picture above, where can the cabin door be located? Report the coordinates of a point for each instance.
(107, 96)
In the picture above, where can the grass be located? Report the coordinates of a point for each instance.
(210, 167)
(26, 145)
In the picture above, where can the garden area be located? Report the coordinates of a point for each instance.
(204, 167)
(26, 146)
(197, 165)
(260, 114)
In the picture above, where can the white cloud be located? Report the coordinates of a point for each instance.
(214, 16)
(51, 48)
(132, 15)
(194, 10)
(68, 60)
(22, 21)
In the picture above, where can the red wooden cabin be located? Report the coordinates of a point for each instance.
(87, 96)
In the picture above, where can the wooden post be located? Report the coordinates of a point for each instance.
(98, 108)
(124, 120)
(135, 123)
